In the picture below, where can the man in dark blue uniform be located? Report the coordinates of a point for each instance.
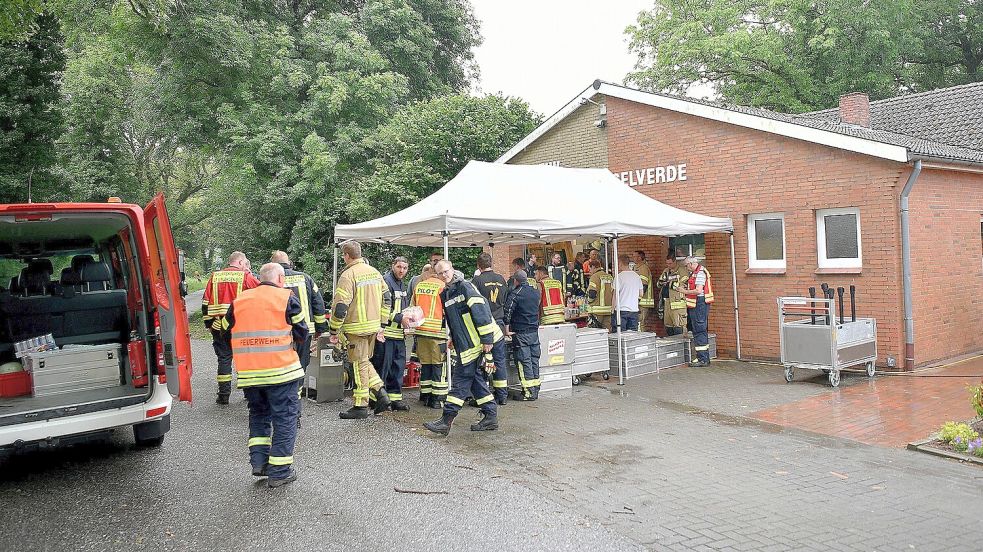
(522, 324)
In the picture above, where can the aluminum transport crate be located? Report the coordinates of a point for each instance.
(558, 344)
(325, 377)
(811, 338)
(591, 354)
(79, 368)
(691, 354)
(639, 353)
(671, 351)
(555, 381)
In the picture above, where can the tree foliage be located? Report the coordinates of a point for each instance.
(800, 55)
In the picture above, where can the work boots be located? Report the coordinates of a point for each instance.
(222, 399)
(501, 398)
(260, 471)
(275, 482)
(382, 401)
(425, 398)
(441, 425)
(355, 413)
(489, 422)
(435, 403)
(399, 406)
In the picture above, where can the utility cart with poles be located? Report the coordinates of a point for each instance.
(813, 339)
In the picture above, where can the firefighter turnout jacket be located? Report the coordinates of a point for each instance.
(552, 303)
(562, 275)
(221, 290)
(647, 300)
(359, 301)
(492, 287)
(305, 289)
(426, 295)
(392, 317)
(265, 322)
(469, 320)
(522, 310)
(600, 293)
(690, 289)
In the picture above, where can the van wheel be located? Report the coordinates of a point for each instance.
(150, 443)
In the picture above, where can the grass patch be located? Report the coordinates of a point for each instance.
(197, 327)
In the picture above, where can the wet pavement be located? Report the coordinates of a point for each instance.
(674, 461)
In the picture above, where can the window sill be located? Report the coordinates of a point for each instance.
(765, 271)
(840, 270)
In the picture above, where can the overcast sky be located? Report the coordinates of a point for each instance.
(547, 51)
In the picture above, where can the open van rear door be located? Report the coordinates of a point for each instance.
(165, 293)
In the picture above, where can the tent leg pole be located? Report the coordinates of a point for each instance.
(447, 356)
(617, 315)
(733, 277)
(334, 270)
(446, 252)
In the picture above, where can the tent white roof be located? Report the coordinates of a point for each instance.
(497, 203)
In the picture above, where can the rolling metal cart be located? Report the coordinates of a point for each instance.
(813, 339)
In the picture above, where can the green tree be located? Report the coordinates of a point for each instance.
(30, 113)
(800, 55)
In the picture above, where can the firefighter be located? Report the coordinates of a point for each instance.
(647, 301)
(359, 301)
(578, 284)
(473, 334)
(430, 340)
(600, 294)
(558, 271)
(673, 299)
(390, 355)
(222, 288)
(552, 304)
(305, 290)
(493, 287)
(699, 295)
(266, 324)
(522, 325)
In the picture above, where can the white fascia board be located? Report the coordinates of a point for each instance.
(542, 129)
(746, 120)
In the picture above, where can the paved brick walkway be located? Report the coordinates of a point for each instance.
(888, 410)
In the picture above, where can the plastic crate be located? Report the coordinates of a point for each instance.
(16, 384)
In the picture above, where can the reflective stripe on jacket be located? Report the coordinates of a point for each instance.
(262, 338)
(427, 297)
(552, 302)
(311, 301)
(602, 284)
(400, 299)
(469, 320)
(562, 275)
(691, 288)
(648, 295)
(221, 290)
(360, 296)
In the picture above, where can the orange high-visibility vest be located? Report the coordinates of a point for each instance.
(691, 287)
(262, 339)
(427, 297)
(551, 302)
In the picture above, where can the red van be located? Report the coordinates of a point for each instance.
(105, 281)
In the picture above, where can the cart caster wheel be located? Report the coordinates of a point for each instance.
(606, 376)
(870, 369)
(789, 373)
(834, 378)
(576, 380)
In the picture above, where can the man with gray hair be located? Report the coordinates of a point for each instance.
(266, 323)
(221, 290)
(699, 295)
(306, 291)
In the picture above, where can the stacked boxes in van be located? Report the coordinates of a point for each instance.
(645, 353)
(558, 345)
(79, 368)
(592, 352)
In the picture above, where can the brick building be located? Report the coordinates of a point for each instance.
(815, 198)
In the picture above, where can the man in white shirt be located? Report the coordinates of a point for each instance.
(630, 290)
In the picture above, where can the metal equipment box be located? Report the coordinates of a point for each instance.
(558, 344)
(325, 378)
(639, 353)
(555, 381)
(79, 368)
(670, 352)
(691, 354)
(591, 352)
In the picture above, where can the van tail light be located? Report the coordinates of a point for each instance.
(161, 370)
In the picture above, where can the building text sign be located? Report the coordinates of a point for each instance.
(654, 175)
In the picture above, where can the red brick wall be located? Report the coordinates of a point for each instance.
(947, 269)
(733, 172)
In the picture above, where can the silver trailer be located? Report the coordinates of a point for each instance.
(813, 339)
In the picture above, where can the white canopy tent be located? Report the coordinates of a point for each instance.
(492, 203)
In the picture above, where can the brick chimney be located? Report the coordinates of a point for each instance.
(855, 109)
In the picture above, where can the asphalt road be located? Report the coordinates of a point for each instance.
(192, 302)
(195, 492)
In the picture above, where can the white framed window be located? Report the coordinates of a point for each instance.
(838, 238)
(766, 240)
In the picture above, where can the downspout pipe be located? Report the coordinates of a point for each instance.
(909, 322)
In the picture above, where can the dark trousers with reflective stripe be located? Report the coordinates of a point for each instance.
(500, 379)
(222, 343)
(389, 359)
(526, 350)
(468, 380)
(273, 411)
(698, 318)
